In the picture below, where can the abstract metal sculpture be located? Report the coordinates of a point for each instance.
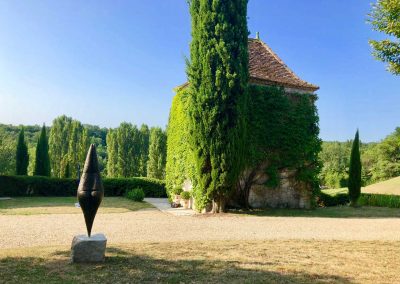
(90, 190)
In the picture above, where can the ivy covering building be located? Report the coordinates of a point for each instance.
(282, 145)
(243, 131)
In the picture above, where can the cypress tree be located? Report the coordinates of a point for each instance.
(218, 78)
(22, 156)
(42, 161)
(157, 154)
(354, 183)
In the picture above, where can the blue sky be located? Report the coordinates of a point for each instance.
(104, 62)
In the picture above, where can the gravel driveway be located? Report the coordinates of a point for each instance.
(152, 225)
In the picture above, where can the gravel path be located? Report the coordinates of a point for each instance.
(155, 226)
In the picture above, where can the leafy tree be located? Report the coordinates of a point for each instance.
(59, 144)
(127, 141)
(42, 161)
(218, 77)
(68, 144)
(144, 149)
(112, 153)
(383, 159)
(354, 183)
(123, 146)
(7, 153)
(22, 156)
(157, 153)
(67, 171)
(335, 159)
(385, 17)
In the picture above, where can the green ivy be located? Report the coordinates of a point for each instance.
(282, 129)
(180, 164)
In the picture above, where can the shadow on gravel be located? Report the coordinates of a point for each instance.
(126, 267)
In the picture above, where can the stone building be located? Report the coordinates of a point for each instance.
(267, 69)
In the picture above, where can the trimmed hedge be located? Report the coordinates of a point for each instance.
(380, 200)
(118, 186)
(366, 199)
(43, 186)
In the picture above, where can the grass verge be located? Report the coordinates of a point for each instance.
(65, 205)
(212, 262)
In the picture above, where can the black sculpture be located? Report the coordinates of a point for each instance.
(90, 190)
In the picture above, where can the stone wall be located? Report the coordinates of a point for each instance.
(290, 193)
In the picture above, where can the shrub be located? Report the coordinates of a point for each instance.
(366, 199)
(177, 190)
(45, 186)
(136, 194)
(325, 199)
(118, 186)
(185, 195)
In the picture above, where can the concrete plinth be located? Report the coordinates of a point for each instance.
(85, 249)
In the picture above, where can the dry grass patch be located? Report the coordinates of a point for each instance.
(213, 262)
(391, 186)
(65, 205)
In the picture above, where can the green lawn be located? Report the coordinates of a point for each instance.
(65, 205)
(334, 191)
(327, 212)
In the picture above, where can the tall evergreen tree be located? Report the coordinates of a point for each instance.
(112, 153)
(354, 183)
(144, 149)
(124, 151)
(22, 156)
(218, 78)
(157, 154)
(42, 161)
(68, 143)
(59, 140)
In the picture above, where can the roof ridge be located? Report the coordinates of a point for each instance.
(269, 49)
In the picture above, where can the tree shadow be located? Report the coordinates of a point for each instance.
(123, 266)
(364, 212)
(69, 203)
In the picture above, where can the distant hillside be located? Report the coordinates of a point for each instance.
(391, 186)
(380, 161)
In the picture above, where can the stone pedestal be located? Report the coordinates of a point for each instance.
(85, 249)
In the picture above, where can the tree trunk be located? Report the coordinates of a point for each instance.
(218, 205)
(244, 190)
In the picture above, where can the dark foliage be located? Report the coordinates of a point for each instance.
(22, 156)
(328, 200)
(45, 186)
(136, 194)
(42, 161)
(282, 133)
(218, 77)
(354, 183)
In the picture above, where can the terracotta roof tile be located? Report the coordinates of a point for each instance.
(266, 68)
